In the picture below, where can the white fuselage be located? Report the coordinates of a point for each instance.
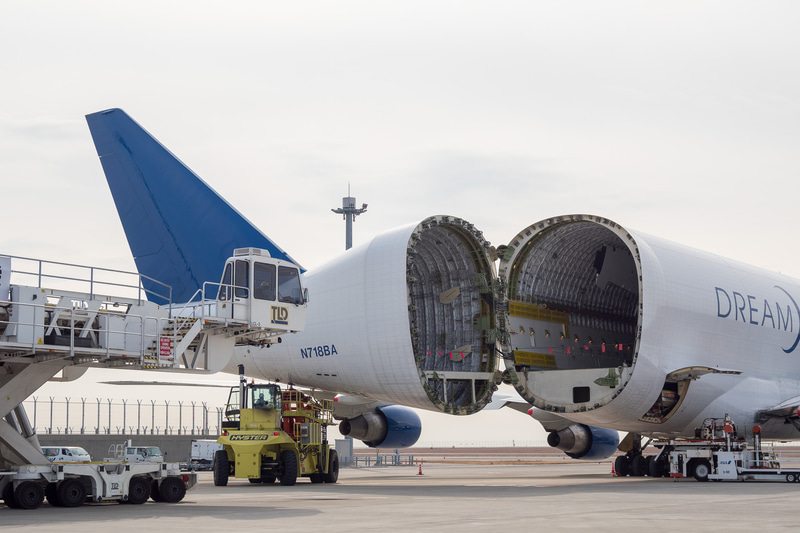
(694, 310)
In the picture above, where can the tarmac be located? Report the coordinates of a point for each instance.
(481, 494)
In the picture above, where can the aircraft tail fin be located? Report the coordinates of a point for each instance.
(180, 231)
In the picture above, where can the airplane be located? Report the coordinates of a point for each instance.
(619, 329)
(600, 328)
(407, 320)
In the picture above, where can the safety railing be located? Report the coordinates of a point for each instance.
(202, 307)
(82, 278)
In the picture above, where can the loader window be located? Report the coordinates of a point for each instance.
(266, 397)
(225, 291)
(241, 278)
(264, 281)
(289, 289)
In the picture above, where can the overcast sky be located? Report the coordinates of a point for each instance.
(680, 119)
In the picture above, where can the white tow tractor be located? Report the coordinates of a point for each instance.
(46, 331)
(717, 453)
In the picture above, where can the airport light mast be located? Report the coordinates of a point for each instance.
(349, 212)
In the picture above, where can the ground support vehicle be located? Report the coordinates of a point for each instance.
(56, 322)
(72, 484)
(202, 456)
(718, 454)
(271, 434)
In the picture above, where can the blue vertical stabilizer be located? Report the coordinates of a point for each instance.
(179, 229)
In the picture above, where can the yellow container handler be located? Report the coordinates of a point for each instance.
(270, 434)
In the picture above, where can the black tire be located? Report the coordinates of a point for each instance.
(333, 468)
(70, 493)
(621, 466)
(638, 466)
(8, 496)
(172, 490)
(654, 467)
(222, 468)
(51, 493)
(702, 469)
(138, 491)
(155, 495)
(268, 480)
(288, 475)
(29, 495)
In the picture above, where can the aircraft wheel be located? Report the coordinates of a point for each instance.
(222, 468)
(333, 468)
(70, 493)
(289, 471)
(654, 467)
(29, 495)
(638, 466)
(621, 466)
(701, 470)
(172, 490)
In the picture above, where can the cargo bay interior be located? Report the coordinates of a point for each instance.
(573, 309)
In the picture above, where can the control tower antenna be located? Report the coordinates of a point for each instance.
(349, 212)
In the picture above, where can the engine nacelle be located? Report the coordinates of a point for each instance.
(585, 442)
(388, 426)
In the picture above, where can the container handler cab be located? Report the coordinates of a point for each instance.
(271, 434)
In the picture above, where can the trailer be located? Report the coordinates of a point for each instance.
(72, 484)
(718, 453)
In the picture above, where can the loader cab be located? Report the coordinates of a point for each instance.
(263, 291)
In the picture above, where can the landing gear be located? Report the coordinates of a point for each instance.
(638, 465)
(621, 465)
(634, 462)
(655, 468)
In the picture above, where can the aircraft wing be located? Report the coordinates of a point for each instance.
(787, 409)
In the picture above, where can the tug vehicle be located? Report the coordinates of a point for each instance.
(270, 434)
(718, 453)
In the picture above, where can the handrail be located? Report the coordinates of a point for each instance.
(139, 287)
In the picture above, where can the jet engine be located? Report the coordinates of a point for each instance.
(388, 426)
(585, 442)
